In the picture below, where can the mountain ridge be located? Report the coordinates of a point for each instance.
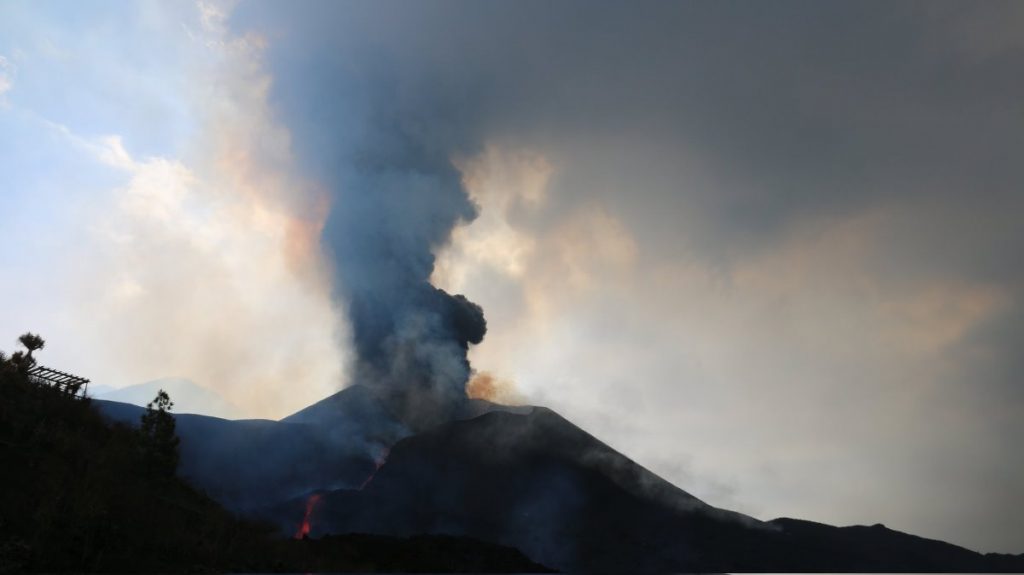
(523, 477)
(189, 397)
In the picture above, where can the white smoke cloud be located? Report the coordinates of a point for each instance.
(203, 262)
(719, 378)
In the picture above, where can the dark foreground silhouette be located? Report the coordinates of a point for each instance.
(523, 477)
(78, 493)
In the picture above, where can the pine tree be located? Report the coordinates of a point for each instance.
(159, 441)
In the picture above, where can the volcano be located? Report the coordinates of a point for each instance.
(251, 465)
(523, 477)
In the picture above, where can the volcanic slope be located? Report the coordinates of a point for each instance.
(250, 465)
(536, 482)
(522, 477)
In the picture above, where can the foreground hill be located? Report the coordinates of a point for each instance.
(76, 496)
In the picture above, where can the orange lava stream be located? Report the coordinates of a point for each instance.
(304, 528)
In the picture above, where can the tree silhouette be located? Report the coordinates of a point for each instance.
(21, 362)
(7, 365)
(32, 342)
(159, 441)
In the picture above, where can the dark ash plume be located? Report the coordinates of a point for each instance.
(395, 203)
(380, 134)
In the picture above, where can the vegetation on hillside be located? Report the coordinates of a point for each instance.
(78, 493)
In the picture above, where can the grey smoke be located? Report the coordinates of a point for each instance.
(384, 152)
(397, 203)
(713, 131)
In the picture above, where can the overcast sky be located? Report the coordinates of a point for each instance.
(772, 251)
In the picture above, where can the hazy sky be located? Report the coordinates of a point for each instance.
(772, 251)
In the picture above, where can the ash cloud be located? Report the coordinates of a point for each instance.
(394, 206)
(382, 148)
(715, 133)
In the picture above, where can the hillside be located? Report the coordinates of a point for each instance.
(76, 495)
(536, 482)
(248, 464)
(244, 464)
(520, 477)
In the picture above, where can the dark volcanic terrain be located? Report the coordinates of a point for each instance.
(521, 477)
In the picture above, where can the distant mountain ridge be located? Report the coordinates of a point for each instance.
(188, 396)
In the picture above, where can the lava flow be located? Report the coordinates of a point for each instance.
(378, 463)
(303, 531)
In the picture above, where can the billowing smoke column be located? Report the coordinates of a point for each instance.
(396, 202)
(379, 133)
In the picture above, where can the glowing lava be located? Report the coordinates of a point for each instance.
(378, 464)
(303, 531)
(311, 503)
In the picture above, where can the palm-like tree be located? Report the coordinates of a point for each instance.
(31, 342)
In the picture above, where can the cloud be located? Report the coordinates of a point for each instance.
(199, 259)
(6, 76)
(734, 370)
(230, 239)
(742, 238)
(744, 218)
